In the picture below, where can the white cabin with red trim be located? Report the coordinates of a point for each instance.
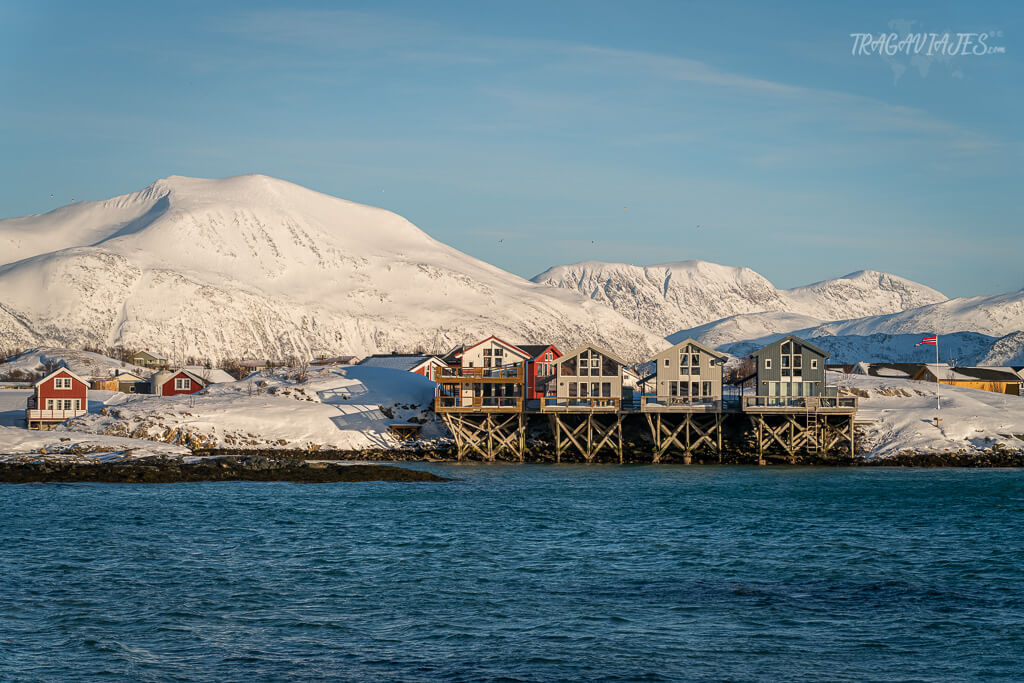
(59, 396)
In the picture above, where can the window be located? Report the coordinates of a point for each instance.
(547, 356)
(767, 363)
(62, 383)
(606, 389)
(706, 389)
(785, 362)
(798, 361)
(78, 404)
(695, 389)
(673, 388)
(572, 389)
(49, 404)
(609, 368)
(814, 364)
(67, 404)
(684, 360)
(666, 362)
(694, 359)
(583, 389)
(182, 384)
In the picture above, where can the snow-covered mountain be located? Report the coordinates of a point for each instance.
(960, 348)
(260, 267)
(670, 297)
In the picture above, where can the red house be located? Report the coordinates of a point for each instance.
(540, 369)
(175, 382)
(59, 396)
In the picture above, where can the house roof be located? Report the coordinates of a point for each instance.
(535, 350)
(798, 340)
(973, 374)
(174, 373)
(398, 361)
(577, 351)
(61, 369)
(692, 342)
(904, 370)
(154, 356)
(511, 347)
(213, 375)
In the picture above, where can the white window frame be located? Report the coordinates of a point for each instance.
(182, 384)
(62, 383)
(814, 364)
(767, 363)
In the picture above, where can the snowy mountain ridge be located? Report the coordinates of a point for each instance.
(669, 297)
(259, 267)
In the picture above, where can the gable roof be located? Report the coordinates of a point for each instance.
(174, 373)
(972, 374)
(62, 368)
(906, 370)
(211, 375)
(504, 343)
(705, 349)
(147, 352)
(535, 350)
(577, 351)
(398, 361)
(792, 337)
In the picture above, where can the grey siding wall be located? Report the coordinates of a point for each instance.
(669, 369)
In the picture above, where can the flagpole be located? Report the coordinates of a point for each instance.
(938, 406)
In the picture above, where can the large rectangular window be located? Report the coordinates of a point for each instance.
(182, 384)
(572, 389)
(706, 388)
(606, 389)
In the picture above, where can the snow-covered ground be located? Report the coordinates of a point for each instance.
(17, 443)
(83, 363)
(897, 416)
(338, 407)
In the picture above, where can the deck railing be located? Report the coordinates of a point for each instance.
(512, 373)
(707, 403)
(580, 404)
(34, 414)
(478, 403)
(801, 402)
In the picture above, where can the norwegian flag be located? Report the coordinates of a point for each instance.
(928, 341)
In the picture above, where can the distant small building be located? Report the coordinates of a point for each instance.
(148, 359)
(419, 363)
(999, 380)
(59, 396)
(253, 365)
(790, 366)
(124, 381)
(324, 359)
(175, 382)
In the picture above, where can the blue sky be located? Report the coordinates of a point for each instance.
(531, 134)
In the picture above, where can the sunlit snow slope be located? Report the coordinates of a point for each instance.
(255, 266)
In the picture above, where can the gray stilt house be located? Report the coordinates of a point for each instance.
(588, 378)
(794, 411)
(791, 367)
(689, 377)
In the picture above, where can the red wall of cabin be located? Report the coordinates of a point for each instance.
(46, 390)
(532, 372)
(167, 388)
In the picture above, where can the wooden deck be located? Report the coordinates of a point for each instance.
(678, 404)
(580, 405)
(836, 405)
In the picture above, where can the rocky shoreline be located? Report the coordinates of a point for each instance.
(993, 458)
(165, 470)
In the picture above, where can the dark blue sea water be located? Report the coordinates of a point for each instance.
(521, 573)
